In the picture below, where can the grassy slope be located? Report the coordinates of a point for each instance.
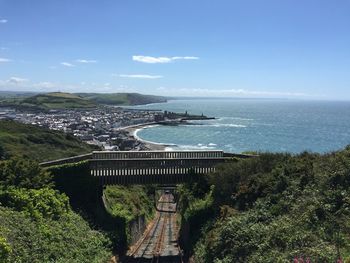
(57, 100)
(128, 202)
(122, 98)
(39, 143)
(60, 100)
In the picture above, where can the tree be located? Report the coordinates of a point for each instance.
(23, 173)
(5, 250)
(37, 203)
(2, 152)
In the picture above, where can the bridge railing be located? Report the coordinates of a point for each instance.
(113, 155)
(152, 166)
(73, 159)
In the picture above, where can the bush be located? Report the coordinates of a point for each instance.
(68, 239)
(5, 250)
(279, 207)
(36, 203)
(24, 173)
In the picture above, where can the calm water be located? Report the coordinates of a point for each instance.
(256, 125)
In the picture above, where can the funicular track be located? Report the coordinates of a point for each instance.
(159, 242)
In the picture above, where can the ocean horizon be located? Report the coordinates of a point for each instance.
(254, 125)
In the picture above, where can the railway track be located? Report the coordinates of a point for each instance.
(159, 242)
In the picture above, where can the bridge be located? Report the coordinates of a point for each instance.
(149, 167)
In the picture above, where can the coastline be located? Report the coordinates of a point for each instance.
(131, 131)
(143, 145)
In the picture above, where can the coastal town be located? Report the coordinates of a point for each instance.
(102, 126)
(109, 128)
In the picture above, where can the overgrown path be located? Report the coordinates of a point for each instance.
(159, 242)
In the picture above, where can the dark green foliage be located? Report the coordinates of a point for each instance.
(3, 154)
(5, 250)
(278, 207)
(122, 204)
(36, 221)
(196, 207)
(40, 144)
(128, 202)
(23, 173)
(67, 239)
(75, 181)
(85, 196)
(36, 203)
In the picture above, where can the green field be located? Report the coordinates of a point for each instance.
(57, 100)
(17, 139)
(61, 100)
(122, 98)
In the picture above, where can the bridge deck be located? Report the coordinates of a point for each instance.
(128, 167)
(117, 155)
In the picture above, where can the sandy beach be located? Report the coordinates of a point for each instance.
(131, 130)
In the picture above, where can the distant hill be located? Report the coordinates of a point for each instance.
(122, 98)
(16, 94)
(18, 139)
(57, 100)
(62, 100)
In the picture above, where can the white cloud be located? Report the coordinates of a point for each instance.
(45, 85)
(22, 84)
(4, 60)
(3, 21)
(16, 80)
(140, 76)
(86, 61)
(66, 64)
(154, 60)
(230, 93)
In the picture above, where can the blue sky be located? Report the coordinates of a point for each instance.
(246, 48)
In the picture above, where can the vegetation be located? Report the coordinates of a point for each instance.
(67, 239)
(128, 202)
(61, 100)
(15, 94)
(70, 177)
(37, 223)
(122, 98)
(29, 141)
(122, 206)
(23, 173)
(274, 208)
(57, 100)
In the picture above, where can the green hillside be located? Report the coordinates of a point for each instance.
(57, 100)
(61, 100)
(17, 139)
(122, 98)
(273, 208)
(37, 223)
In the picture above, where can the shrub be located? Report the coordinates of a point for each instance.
(24, 173)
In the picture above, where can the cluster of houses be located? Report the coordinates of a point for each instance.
(101, 126)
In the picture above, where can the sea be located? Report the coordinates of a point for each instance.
(254, 125)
